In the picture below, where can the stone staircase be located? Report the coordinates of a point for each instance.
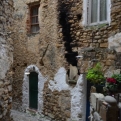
(20, 116)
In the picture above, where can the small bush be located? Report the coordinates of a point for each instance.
(95, 75)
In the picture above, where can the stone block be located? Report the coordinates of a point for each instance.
(103, 111)
(1, 83)
(99, 103)
(94, 98)
(118, 49)
(108, 74)
(111, 100)
(109, 62)
(67, 113)
(111, 56)
(96, 116)
(50, 115)
(117, 71)
(103, 45)
(73, 72)
(85, 44)
(78, 33)
(97, 37)
(112, 112)
(84, 67)
(9, 88)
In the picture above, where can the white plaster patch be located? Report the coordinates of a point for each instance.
(115, 42)
(5, 60)
(41, 81)
(93, 99)
(59, 82)
(78, 93)
(77, 100)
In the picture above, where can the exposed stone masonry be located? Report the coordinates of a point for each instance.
(6, 58)
(65, 25)
(25, 52)
(61, 38)
(30, 48)
(91, 41)
(57, 104)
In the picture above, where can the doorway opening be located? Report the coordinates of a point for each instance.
(33, 90)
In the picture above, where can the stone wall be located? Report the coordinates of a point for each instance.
(38, 49)
(6, 58)
(94, 43)
(57, 105)
(22, 43)
(61, 38)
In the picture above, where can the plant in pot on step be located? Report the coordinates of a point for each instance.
(96, 77)
(117, 77)
(111, 85)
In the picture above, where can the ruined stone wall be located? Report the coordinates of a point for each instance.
(57, 105)
(6, 58)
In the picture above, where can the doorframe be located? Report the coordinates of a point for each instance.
(25, 88)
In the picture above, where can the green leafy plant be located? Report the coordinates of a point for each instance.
(95, 75)
(117, 77)
(112, 87)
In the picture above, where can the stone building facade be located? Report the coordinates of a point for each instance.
(64, 34)
(43, 52)
(6, 58)
(65, 46)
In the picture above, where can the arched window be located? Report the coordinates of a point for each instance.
(33, 90)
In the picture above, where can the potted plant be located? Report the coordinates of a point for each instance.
(96, 77)
(117, 77)
(111, 84)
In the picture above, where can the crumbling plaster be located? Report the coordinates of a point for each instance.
(114, 42)
(5, 60)
(78, 93)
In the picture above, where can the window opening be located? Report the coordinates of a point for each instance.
(34, 19)
(97, 12)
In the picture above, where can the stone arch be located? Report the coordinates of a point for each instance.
(25, 88)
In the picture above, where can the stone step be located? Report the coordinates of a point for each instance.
(20, 116)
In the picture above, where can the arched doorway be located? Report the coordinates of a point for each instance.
(39, 80)
(33, 90)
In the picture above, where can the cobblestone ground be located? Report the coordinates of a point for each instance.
(20, 116)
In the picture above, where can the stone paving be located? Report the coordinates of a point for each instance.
(20, 116)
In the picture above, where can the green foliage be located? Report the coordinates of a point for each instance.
(95, 75)
(117, 77)
(112, 87)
